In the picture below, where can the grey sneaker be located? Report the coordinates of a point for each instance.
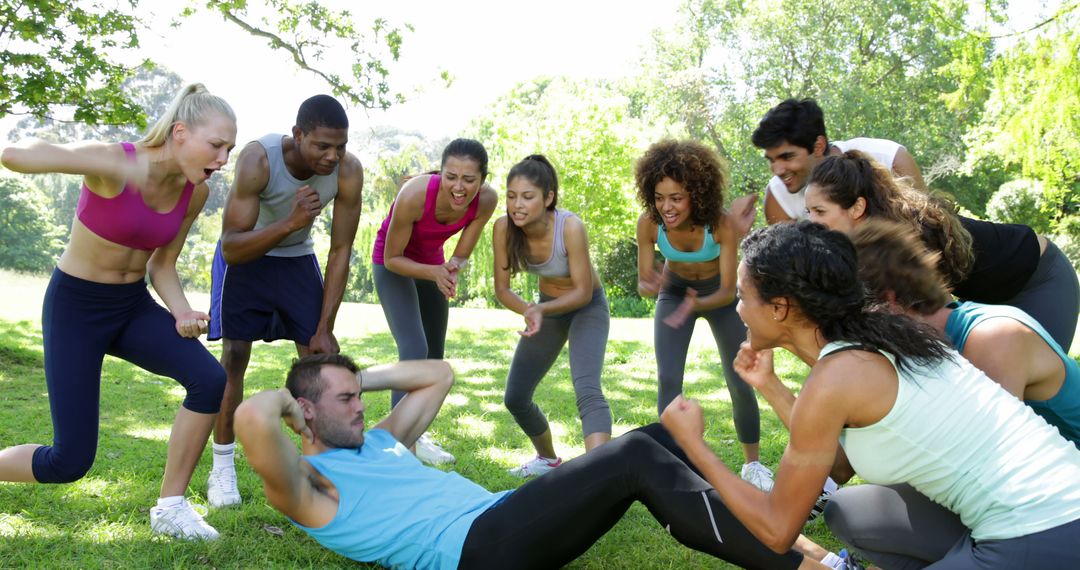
(221, 489)
(757, 475)
(181, 521)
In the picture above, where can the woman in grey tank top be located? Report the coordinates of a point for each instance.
(572, 306)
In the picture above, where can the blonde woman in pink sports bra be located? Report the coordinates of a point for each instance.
(138, 202)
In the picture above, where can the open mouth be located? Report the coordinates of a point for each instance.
(209, 171)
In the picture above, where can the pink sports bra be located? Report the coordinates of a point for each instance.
(126, 220)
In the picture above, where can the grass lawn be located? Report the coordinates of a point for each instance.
(102, 521)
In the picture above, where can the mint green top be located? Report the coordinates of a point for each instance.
(959, 438)
(709, 251)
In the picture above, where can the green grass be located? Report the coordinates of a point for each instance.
(102, 521)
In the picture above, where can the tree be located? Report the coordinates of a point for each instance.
(898, 69)
(55, 54)
(1031, 121)
(63, 53)
(28, 241)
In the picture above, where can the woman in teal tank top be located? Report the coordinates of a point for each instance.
(681, 185)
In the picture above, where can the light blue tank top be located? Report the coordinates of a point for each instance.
(959, 438)
(276, 200)
(558, 265)
(395, 511)
(1061, 411)
(709, 251)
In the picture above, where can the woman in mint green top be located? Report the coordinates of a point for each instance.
(681, 188)
(891, 401)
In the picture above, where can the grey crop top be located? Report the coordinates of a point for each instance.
(558, 265)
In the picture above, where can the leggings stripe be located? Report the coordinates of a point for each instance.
(712, 517)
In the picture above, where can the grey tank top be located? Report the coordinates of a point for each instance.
(557, 265)
(276, 200)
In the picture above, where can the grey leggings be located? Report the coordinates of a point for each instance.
(672, 345)
(417, 314)
(587, 330)
(1052, 296)
(896, 527)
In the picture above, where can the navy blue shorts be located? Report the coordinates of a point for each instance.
(268, 299)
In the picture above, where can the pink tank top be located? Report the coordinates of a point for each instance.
(126, 220)
(428, 235)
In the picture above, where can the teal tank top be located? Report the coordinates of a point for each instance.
(1063, 410)
(709, 251)
(395, 511)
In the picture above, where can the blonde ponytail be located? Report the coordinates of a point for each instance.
(191, 106)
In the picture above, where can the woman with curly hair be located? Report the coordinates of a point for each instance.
(536, 237)
(986, 262)
(680, 185)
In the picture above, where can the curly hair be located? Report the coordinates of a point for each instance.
(892, 257)
(817, 268)
(845, 178)
(698, 168)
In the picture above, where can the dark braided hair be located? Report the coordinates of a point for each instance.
(818, 268)
(537, 169)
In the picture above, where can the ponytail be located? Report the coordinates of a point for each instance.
(192, 106)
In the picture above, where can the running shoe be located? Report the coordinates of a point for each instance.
(848, 562)
(819, 506)
(181, 521)
(757, 475)
(431, 453)
(221, 489)
(535, 466)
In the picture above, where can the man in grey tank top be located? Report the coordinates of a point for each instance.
(266, 282)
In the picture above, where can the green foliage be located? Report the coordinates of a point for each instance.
(1019, 202)
(1032, 117)
(57, 53)
(197, 257)
(307, 30)
(28, 240)
(897, 69)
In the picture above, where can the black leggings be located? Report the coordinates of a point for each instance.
(554, 518)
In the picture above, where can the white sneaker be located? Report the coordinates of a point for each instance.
(757, 475)
(221, 489)
(535, 466)
(430, 452)
(181, 521)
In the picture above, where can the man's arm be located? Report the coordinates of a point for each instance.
(342, 233)
(426, 383)
(274, 457)
(774, 213)
(904, 164)
(240, 243)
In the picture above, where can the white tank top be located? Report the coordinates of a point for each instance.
(794, 203)
(959, 438)
(276, 200)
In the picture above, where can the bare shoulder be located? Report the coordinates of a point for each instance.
(646, 224)
(350, 166)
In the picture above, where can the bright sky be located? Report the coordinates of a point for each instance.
(488, 46)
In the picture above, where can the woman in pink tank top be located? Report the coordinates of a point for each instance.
(138, 203)
(412, 276)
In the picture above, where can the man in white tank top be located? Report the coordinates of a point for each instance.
(792, 134)
(266, 279)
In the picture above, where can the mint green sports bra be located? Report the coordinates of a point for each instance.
(709, 251)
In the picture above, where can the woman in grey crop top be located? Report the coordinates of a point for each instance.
(537, 238)
(680, 186)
